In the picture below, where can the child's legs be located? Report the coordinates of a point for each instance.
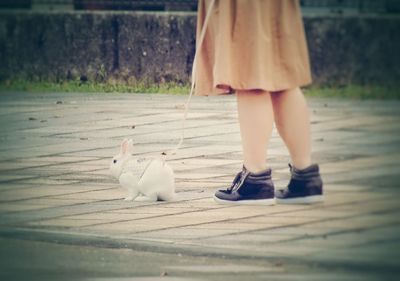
(292, 121)
(255, 120)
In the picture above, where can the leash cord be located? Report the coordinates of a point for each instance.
(199, 43)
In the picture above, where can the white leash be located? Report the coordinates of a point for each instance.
(198, 45)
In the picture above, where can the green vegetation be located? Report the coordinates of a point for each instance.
(355, 92)
(90, 87)
(350, 91)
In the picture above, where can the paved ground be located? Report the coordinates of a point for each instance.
(56, 194)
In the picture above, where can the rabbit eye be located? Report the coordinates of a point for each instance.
(115, 161)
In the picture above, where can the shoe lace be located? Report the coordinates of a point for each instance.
(238, 180)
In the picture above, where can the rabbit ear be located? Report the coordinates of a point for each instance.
(130, 146)
(124, 146)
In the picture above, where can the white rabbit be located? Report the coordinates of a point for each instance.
(146, 179)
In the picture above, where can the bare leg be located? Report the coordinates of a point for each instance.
(255, 120)
(292, 121)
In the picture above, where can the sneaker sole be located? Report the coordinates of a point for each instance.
(263, 202)
(301, 200)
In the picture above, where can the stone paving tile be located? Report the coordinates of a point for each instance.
(360, 163)
(294, 250)
(356, 223)
(226, 268)
(104, 194)
(6, 166)
(18, 207)
(48, 202)
(199, 185)
(344, 198)
(177, 220)
(101, 220)
(282, 220)
(333, 187)
(187, 164)
(54, 175)
(303, 230)
(38, 180)
(339, 241)
(356, 175)
(125, 215)
(205, 203)
(160, 278)
(156, 210)
(11, 177)
(67, 223)
(197, 176)
(56, 201)
(376, 206)
(390, 127)
(183, 234)
(14, 186)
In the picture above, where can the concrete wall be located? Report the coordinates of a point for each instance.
(159, 47)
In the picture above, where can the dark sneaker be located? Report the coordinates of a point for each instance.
(305, 187)
(248, 188)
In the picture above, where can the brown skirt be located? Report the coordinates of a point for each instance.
(251, 45)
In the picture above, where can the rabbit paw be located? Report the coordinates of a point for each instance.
(144, 198)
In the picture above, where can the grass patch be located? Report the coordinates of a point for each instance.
(90, 87)
(355, 92)
(350, 91)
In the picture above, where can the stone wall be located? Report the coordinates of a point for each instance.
(358, 50)
(159, 47)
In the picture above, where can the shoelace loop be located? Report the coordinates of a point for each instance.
(239, 180)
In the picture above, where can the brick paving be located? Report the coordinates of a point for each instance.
(55, 149)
